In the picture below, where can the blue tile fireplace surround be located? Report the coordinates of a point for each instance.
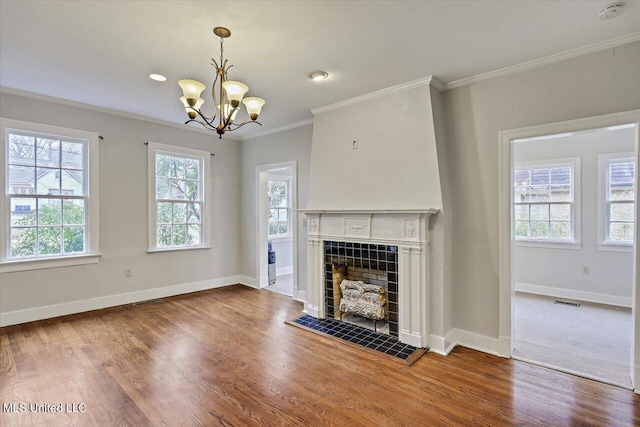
(376, 264)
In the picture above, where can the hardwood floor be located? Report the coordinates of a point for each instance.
(226, 357)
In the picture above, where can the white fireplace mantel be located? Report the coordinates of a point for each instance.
(406, 228)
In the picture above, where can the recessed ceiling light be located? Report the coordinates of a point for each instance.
(611, 11)
(318, 75)
(158, 77)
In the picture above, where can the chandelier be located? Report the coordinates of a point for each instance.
(230, 93)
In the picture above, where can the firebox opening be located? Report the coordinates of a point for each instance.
(369, 277)
(361, 296)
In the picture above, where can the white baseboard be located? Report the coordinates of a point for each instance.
(284, 270)
(574, 295)
(73, 307)
(311, 310)
(477, 342)
(252, 282)
(302, 296)
(505, 346)
(498, 347)
(442, 345)
(411, 339)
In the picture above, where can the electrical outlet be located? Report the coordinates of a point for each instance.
(128, 273)
(304, 222)
(354, 144)
(585, 269)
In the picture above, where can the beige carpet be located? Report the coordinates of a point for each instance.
(592, 340)
(283, 285)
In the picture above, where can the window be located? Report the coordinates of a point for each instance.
(279, 206)
(178, 205)
(50, 195)
(546, 201)
(617, 208)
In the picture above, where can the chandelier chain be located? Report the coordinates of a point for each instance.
(221, 50)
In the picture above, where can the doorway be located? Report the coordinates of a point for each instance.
(568, 253)
(276, 224)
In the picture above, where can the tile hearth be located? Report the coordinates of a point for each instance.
(358, 335)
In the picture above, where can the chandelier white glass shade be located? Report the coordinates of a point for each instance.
(227, 101)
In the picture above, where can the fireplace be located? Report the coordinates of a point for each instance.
(387, 248)
(364, 263)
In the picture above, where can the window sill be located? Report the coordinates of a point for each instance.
(548, 244)
(43, 263)
(281, 239)
(186, 248)
(613, 247)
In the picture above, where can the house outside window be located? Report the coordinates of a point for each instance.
(50, 203)
(178, 202)
(546, 201)
(279, 199)
(617, 204)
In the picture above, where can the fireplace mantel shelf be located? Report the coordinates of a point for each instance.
(430, 211)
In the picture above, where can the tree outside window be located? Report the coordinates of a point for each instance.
(178, 200)
(279, 208)
(47, 195)
(179, 208)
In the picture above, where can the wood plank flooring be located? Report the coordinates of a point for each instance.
(226, 357)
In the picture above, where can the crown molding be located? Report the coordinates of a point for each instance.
(89, 107)
(438, 84)
(596, 47)
(279, 129)
(426, 81)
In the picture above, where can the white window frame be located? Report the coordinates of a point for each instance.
(205, 180)
(288, 180)
(575, 241)
(91, 254)
(604, 160)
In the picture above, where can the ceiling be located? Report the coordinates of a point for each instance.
(100, 53)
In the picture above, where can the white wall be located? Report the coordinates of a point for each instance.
(284, 255)
(599, 83)
(441, 236)
(395, 164)
(610, 272)
(286, 146)
(123, 213)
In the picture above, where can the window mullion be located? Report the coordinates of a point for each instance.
(543, 203)
(626, 201)
(178, 201)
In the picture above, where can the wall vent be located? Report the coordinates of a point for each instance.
(149, 302)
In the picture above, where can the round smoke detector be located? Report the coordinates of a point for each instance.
(611, 11)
